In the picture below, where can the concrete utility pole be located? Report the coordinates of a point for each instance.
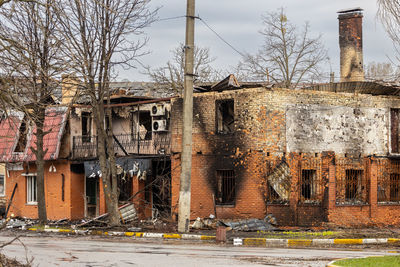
(186, 158)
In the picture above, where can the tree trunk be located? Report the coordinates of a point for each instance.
(41, 195)
(106, 165)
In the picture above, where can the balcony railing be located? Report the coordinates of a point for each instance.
(142, 143)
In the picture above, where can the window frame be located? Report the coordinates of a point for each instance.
(31, 199)
(4, 185)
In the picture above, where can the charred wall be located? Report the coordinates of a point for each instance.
(271, 125)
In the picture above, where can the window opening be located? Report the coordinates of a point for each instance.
(144, 125)
(353, 184)
(394, 187)
(225, 187)
(225, 116)
(86, 126)
(394, 130)
(2, 185)
(31, 189)
(22, 140)
(308, 184)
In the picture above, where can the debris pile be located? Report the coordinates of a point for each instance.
(267, 224)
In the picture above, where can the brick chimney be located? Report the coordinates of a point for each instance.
(350, 42)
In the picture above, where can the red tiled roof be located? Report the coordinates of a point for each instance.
(9, 132)
(54, 123)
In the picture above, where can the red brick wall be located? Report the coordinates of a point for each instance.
(260, 135)
(70, 208)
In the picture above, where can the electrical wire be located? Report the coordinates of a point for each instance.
(220, 37)
(170, 18)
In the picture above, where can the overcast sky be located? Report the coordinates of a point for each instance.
(239, 22)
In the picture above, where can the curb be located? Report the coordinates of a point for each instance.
(316, 242)
(263, 242)
(129, 234)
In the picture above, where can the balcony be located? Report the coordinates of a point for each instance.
(142, 143)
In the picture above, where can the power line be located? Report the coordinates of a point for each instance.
(170, 18)
(220, 37)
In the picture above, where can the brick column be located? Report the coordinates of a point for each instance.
(294, 163)
(373, 187)
(331, 188)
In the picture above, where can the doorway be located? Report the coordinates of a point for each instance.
(92, 196)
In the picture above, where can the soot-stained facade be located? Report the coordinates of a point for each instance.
(306, 156)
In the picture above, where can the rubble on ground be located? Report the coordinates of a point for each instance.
(267, 224)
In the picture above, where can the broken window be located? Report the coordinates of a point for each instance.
(31, 189)
(141, 123)
(308, 184)
(353, 185)
(225, 187)
(22, 140)
(86, 120)
(278, 183)
(225, 116)
(394, 130)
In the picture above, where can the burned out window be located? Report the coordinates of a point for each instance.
(23, 137)
(142, 129)
(225, 194)
(308, 185)
(388, 178)
(394, 130)
(354, 186)
(86, 121)
(225, 117)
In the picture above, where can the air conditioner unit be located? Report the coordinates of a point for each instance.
(159, 125)
(158, 110)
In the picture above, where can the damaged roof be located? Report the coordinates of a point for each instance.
(9, 129)
(373, 88)
(54, 125)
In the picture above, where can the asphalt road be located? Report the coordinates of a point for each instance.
(91, 251)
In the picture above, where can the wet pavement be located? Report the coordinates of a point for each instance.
(97, 251)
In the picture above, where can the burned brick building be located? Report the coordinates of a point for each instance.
(328, 153)
(325, 153)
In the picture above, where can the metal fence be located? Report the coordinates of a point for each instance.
(142, 143)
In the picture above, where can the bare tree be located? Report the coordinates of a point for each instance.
(30, 63)
(99, 35)
(172, 74)
(3, 2)
(383, 71)
(287, 57)
(389, 14)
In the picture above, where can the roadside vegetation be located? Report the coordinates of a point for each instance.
(385, 261)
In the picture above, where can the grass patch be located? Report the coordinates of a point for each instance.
(385, 261)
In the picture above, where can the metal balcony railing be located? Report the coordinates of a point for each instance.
(141, 143)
